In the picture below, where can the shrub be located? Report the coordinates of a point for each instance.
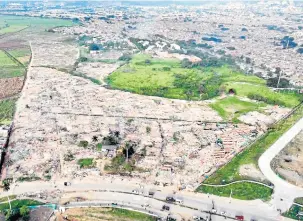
(148, 129)
(69, 156)
(83, 143)
(86, 162)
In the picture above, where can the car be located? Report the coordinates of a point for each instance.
(170, 199)
(165, 207)
(67, 183)
(223, 213)
(179, 201)
(151, 193)
(135, 191)
(214, 211)
(239, 217)
(198, 218)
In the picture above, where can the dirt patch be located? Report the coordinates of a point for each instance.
(10, 86)
(250, 170)
(289, 162)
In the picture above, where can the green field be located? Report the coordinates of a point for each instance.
(167, 78)
(230, 172)
(21, 54)
(7, 108)
(231, 108)
(243, 191)
(299, 200)
(248, 90)
(10, 23)
(5, 61)
(12, 28)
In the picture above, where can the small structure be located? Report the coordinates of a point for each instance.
(109, 150)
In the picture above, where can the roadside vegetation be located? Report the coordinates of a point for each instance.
(242, 191)
(107, 214)
(293, 212)
(230, 172)
(16, 204)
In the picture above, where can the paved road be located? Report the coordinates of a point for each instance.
(197, 201)
(284, 192)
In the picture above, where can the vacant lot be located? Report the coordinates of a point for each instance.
(106, 214)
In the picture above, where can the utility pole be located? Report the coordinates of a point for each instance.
(284, 61)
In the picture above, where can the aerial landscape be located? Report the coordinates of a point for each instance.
(151, 110)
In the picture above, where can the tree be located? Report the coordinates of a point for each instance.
(24, 212)
(94, 47)
(147, 61)
(186, 63)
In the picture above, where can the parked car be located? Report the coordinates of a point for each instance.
(165, 207)
(170, 199)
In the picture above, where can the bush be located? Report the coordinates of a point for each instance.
(94, 47)
(69, 156)
(83, 143)
(148, 129)
(125, 57)
(86, 162)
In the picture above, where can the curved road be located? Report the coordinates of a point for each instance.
(284, 192)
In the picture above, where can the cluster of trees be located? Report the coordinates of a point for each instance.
(197, 88)
(273, 82)
(208, 61)
(17, 214)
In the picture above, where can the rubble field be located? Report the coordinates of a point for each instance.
(175, 142)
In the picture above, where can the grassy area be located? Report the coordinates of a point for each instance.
(243, 191)
(10, 72)
(247, 90)
(107, 214)
(19, 203)
(169, 78)
(21, 54)
(230, 172)
(232, 107)
(12, 28)
(293, 211)
(7, 108)
(5, 60)
(86, 162)
(122, 213)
